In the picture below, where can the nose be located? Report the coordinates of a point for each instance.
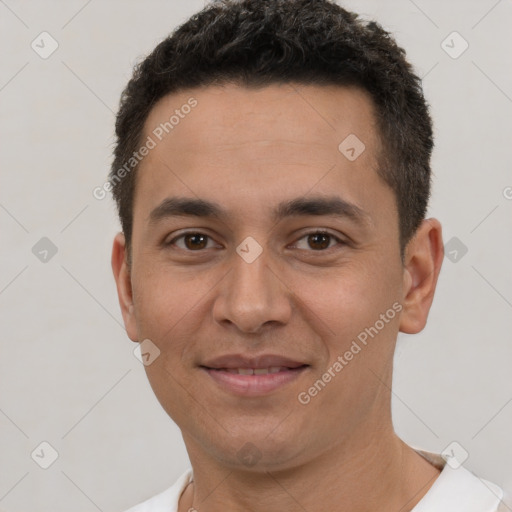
(252, 296)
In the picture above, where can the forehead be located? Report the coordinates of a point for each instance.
(232, 114)
(260, 144)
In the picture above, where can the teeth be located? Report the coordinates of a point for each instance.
(255, 371)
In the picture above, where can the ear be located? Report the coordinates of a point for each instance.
(423, 259)
(122, 276)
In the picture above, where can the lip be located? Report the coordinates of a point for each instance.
(253, 385)
(243, 361)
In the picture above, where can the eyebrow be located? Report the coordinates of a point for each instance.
(316, 206)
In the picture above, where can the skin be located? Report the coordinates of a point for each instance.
(248, 150)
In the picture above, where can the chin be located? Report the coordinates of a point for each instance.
(255, 451)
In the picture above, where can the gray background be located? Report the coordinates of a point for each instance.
(68, 375)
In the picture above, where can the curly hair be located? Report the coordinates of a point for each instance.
(255, 43)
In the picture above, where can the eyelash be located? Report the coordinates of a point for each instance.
(305, 235)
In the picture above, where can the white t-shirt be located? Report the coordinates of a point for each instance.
(455, 490)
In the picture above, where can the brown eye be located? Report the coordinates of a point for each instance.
(191, 241)
(319, 241)
(195, 241)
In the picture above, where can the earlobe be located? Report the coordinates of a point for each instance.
(122, 276)
(423, 260)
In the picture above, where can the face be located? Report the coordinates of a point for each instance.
(266, 271)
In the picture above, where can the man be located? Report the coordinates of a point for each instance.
(272, 177)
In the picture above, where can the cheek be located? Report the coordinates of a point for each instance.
(164, 298)
(173, 310)
(349, 300)
(168, 306)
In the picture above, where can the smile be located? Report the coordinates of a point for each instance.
(254, 381)
(253, 371)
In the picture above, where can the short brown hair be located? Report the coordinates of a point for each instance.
(260, 42)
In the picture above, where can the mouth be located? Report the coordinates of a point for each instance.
(255, 371)
(241, 376)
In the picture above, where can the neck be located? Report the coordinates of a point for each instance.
(361, 475)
